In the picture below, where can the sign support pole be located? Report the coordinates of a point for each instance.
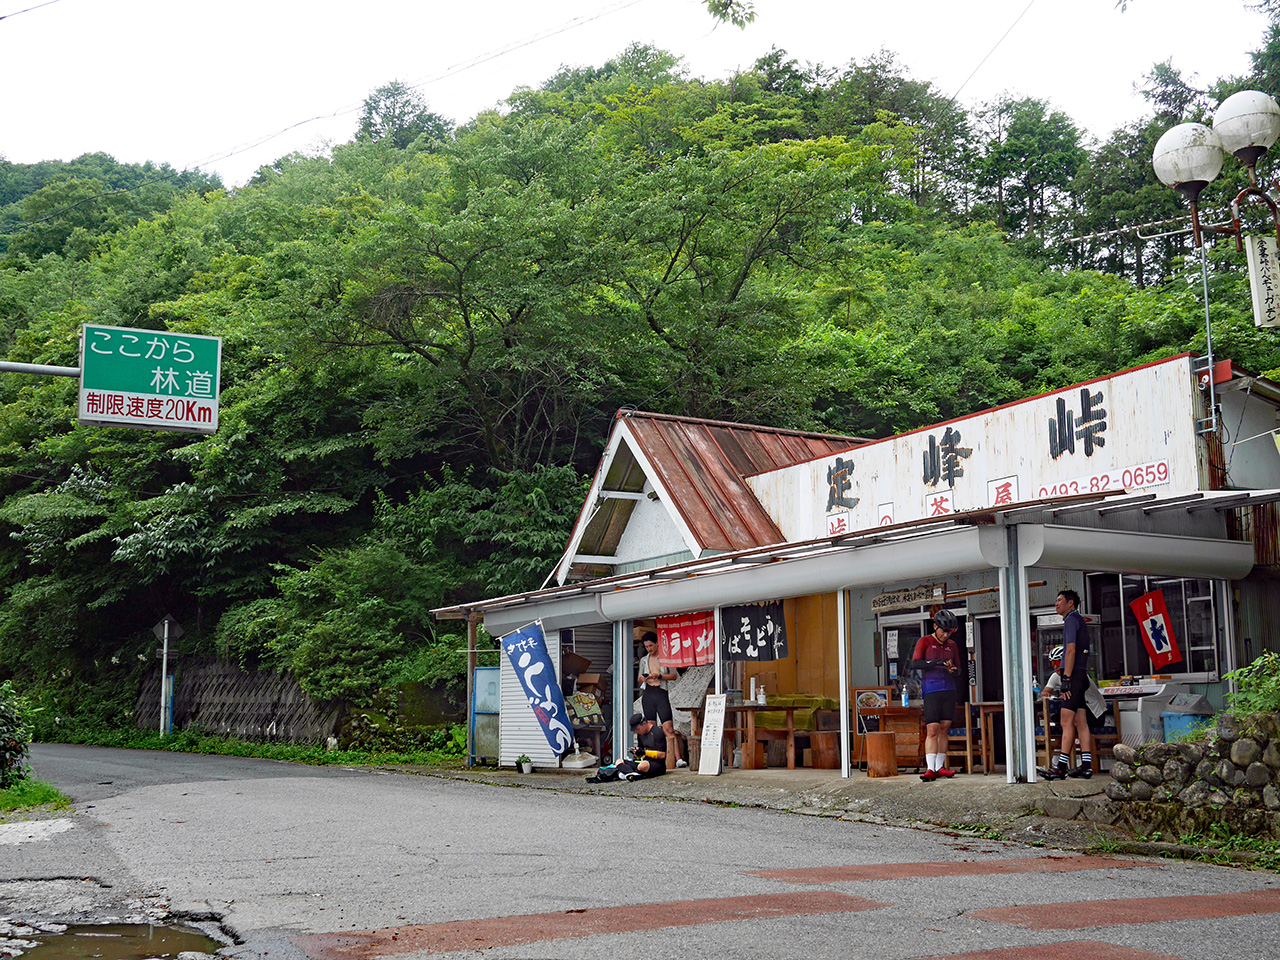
(164, 674)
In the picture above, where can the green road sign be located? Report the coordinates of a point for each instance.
(149, 379)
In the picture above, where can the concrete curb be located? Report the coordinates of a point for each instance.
(1071, 815)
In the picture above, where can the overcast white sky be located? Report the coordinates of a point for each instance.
(189, 83)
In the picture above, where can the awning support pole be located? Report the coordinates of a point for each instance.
(623, 671)
(471, 688)
(1015, 637)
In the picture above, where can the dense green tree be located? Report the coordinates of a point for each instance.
(396, 114)
(1115, 192)
(1029, 158)
(69, 208)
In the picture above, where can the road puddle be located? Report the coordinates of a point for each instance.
(122, 941)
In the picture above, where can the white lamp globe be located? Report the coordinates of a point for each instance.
(1247, 123)
(1188, 158)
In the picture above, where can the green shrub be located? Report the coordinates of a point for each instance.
(1257, 686)
(15, 735)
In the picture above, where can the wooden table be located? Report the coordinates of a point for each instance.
(747, 712)
(988, 710)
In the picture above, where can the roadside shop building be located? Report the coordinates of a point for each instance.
(1116, 488)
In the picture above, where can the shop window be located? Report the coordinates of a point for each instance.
(1193, 620)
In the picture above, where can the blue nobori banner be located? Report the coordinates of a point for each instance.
(526, 648)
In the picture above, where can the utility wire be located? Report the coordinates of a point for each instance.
(47, 3)
(451, 71)
(993, 49)
(341, 111)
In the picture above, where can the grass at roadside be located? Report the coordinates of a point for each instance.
(30, 794)
(1220, 845)
(189, 742)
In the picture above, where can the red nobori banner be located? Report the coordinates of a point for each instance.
(1157, 630)
(687, 639)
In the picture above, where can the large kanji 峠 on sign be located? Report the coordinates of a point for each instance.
(149, 378)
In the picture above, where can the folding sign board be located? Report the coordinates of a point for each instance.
(1157, 630)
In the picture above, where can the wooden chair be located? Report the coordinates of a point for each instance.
(1103, 740)
(961, 738)
(1044, 736)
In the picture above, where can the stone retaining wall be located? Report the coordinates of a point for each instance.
(1229, 777)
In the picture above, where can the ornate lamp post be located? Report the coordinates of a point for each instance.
(1190, 156)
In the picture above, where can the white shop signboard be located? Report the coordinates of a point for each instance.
(1131, 431)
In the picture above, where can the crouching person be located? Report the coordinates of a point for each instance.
(648, 758)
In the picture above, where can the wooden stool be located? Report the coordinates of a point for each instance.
(882, 754)
(826, 749)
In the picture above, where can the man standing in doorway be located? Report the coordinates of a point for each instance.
(1075, 681)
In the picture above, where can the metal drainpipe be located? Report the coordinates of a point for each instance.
(719, 632)
(842, 635)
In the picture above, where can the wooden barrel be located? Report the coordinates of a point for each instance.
(882, 754)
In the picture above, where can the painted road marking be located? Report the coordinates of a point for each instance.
(540, 927)
(972, 868)
(1077, 950)
(1087, 914)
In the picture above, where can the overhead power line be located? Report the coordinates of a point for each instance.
(47, 3)
(452, 71)
(993, 49)
(341, 111)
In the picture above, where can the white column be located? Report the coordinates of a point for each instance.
(1015, 646)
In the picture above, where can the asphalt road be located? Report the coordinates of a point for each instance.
(346, 864)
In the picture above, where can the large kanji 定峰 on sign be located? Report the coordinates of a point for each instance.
(149, 378)
(1157, 630)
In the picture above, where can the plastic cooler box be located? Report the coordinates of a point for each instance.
(1181, 724)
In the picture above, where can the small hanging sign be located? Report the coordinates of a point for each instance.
(911, 597)
(1264, 279)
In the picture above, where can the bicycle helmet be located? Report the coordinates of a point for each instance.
(946, 620)
(1056, 653)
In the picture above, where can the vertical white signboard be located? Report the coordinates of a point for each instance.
(712, 751)
(1264, 279)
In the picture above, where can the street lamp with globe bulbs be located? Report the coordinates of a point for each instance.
(1190, 156)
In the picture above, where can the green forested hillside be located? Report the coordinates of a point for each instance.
(428, 330)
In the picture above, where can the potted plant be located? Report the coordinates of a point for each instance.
(524, 763)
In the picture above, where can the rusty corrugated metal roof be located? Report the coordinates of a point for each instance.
(702, 463)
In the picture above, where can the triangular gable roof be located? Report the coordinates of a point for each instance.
(696, 469)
